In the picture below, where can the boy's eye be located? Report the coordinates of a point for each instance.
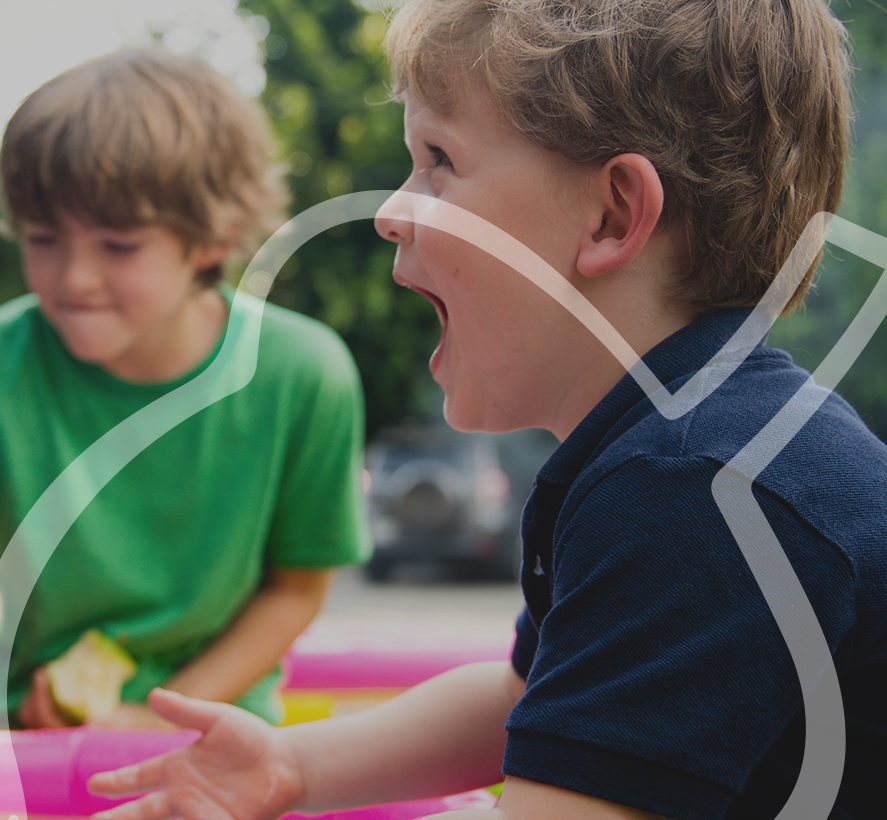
(439, 157)
(40, 239)
(122, 248)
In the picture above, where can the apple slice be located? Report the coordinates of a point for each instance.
(85, 682)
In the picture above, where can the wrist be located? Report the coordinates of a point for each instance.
(299, 748)
(294, 752)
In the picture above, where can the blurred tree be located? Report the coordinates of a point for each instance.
(843, 281)
(11, 283)
(327, 94)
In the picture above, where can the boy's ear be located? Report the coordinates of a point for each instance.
(628, 200)
(208, 256)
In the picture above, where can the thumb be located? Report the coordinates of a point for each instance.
(184, 711)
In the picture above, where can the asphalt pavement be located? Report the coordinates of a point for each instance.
(422, 604)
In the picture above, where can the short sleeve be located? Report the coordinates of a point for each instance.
(526, 640)
(320, 518)
(661, 679)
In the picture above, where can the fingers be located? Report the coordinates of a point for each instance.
(37, 710)
(191, 803)
(26, 715)
(154, 806)
(187, 712)
(129, 780)
(43, 701)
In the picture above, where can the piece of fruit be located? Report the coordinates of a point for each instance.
(85, 682)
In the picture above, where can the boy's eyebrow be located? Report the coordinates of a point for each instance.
(441, 133)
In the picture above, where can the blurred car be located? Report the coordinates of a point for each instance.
(436, 495)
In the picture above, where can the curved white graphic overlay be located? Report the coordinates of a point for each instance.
(63, 501)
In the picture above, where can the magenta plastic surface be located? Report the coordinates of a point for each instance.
(374, 660)
(55, 764)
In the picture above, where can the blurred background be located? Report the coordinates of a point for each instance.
(317, 67)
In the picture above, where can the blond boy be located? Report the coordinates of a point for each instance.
(130, 180)
(663, 157)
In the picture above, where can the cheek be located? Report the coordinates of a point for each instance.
(136, 297)
(453, 262)
(149, 284)
(37, 271)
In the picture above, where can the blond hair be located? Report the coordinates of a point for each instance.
(143, 136)
(741, 105)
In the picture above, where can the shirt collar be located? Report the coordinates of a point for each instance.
(679, 356)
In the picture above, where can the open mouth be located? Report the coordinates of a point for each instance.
(437, 302)
(442, 316)
(438, 305)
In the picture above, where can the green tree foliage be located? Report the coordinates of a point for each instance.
(327, 94)
(843, 281)
(11, 283)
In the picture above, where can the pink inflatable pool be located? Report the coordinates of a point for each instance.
(55, 764)
(325, 659)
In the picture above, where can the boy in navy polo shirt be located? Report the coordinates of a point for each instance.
(662, 158)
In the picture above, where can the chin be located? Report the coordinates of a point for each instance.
(478, 420)
(457, 417)
(83, 353)
(86, 352)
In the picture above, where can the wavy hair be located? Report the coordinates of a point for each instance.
(742, 106)
(144, 136)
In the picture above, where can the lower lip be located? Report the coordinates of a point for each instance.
(437, 356)
(83, 308)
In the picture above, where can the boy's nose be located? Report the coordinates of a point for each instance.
(394, 220)
(77, 274)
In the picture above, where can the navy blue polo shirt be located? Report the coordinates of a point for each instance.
(656, 674)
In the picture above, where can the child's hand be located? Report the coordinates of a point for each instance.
(37, 710)
(236, 771)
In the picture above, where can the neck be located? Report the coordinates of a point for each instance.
(179, 347)
(635, 303)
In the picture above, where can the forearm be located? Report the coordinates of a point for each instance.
(256, 639)
(444, 736)
(526, 800)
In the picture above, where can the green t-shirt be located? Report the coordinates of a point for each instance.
(177, 542)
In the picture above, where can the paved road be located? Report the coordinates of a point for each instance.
(422, 604)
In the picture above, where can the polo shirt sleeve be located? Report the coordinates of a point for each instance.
(660, 679)
(526, 641)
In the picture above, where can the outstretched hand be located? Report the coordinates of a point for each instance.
(236, 771)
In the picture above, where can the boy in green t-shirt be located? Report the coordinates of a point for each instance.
(130, 180)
